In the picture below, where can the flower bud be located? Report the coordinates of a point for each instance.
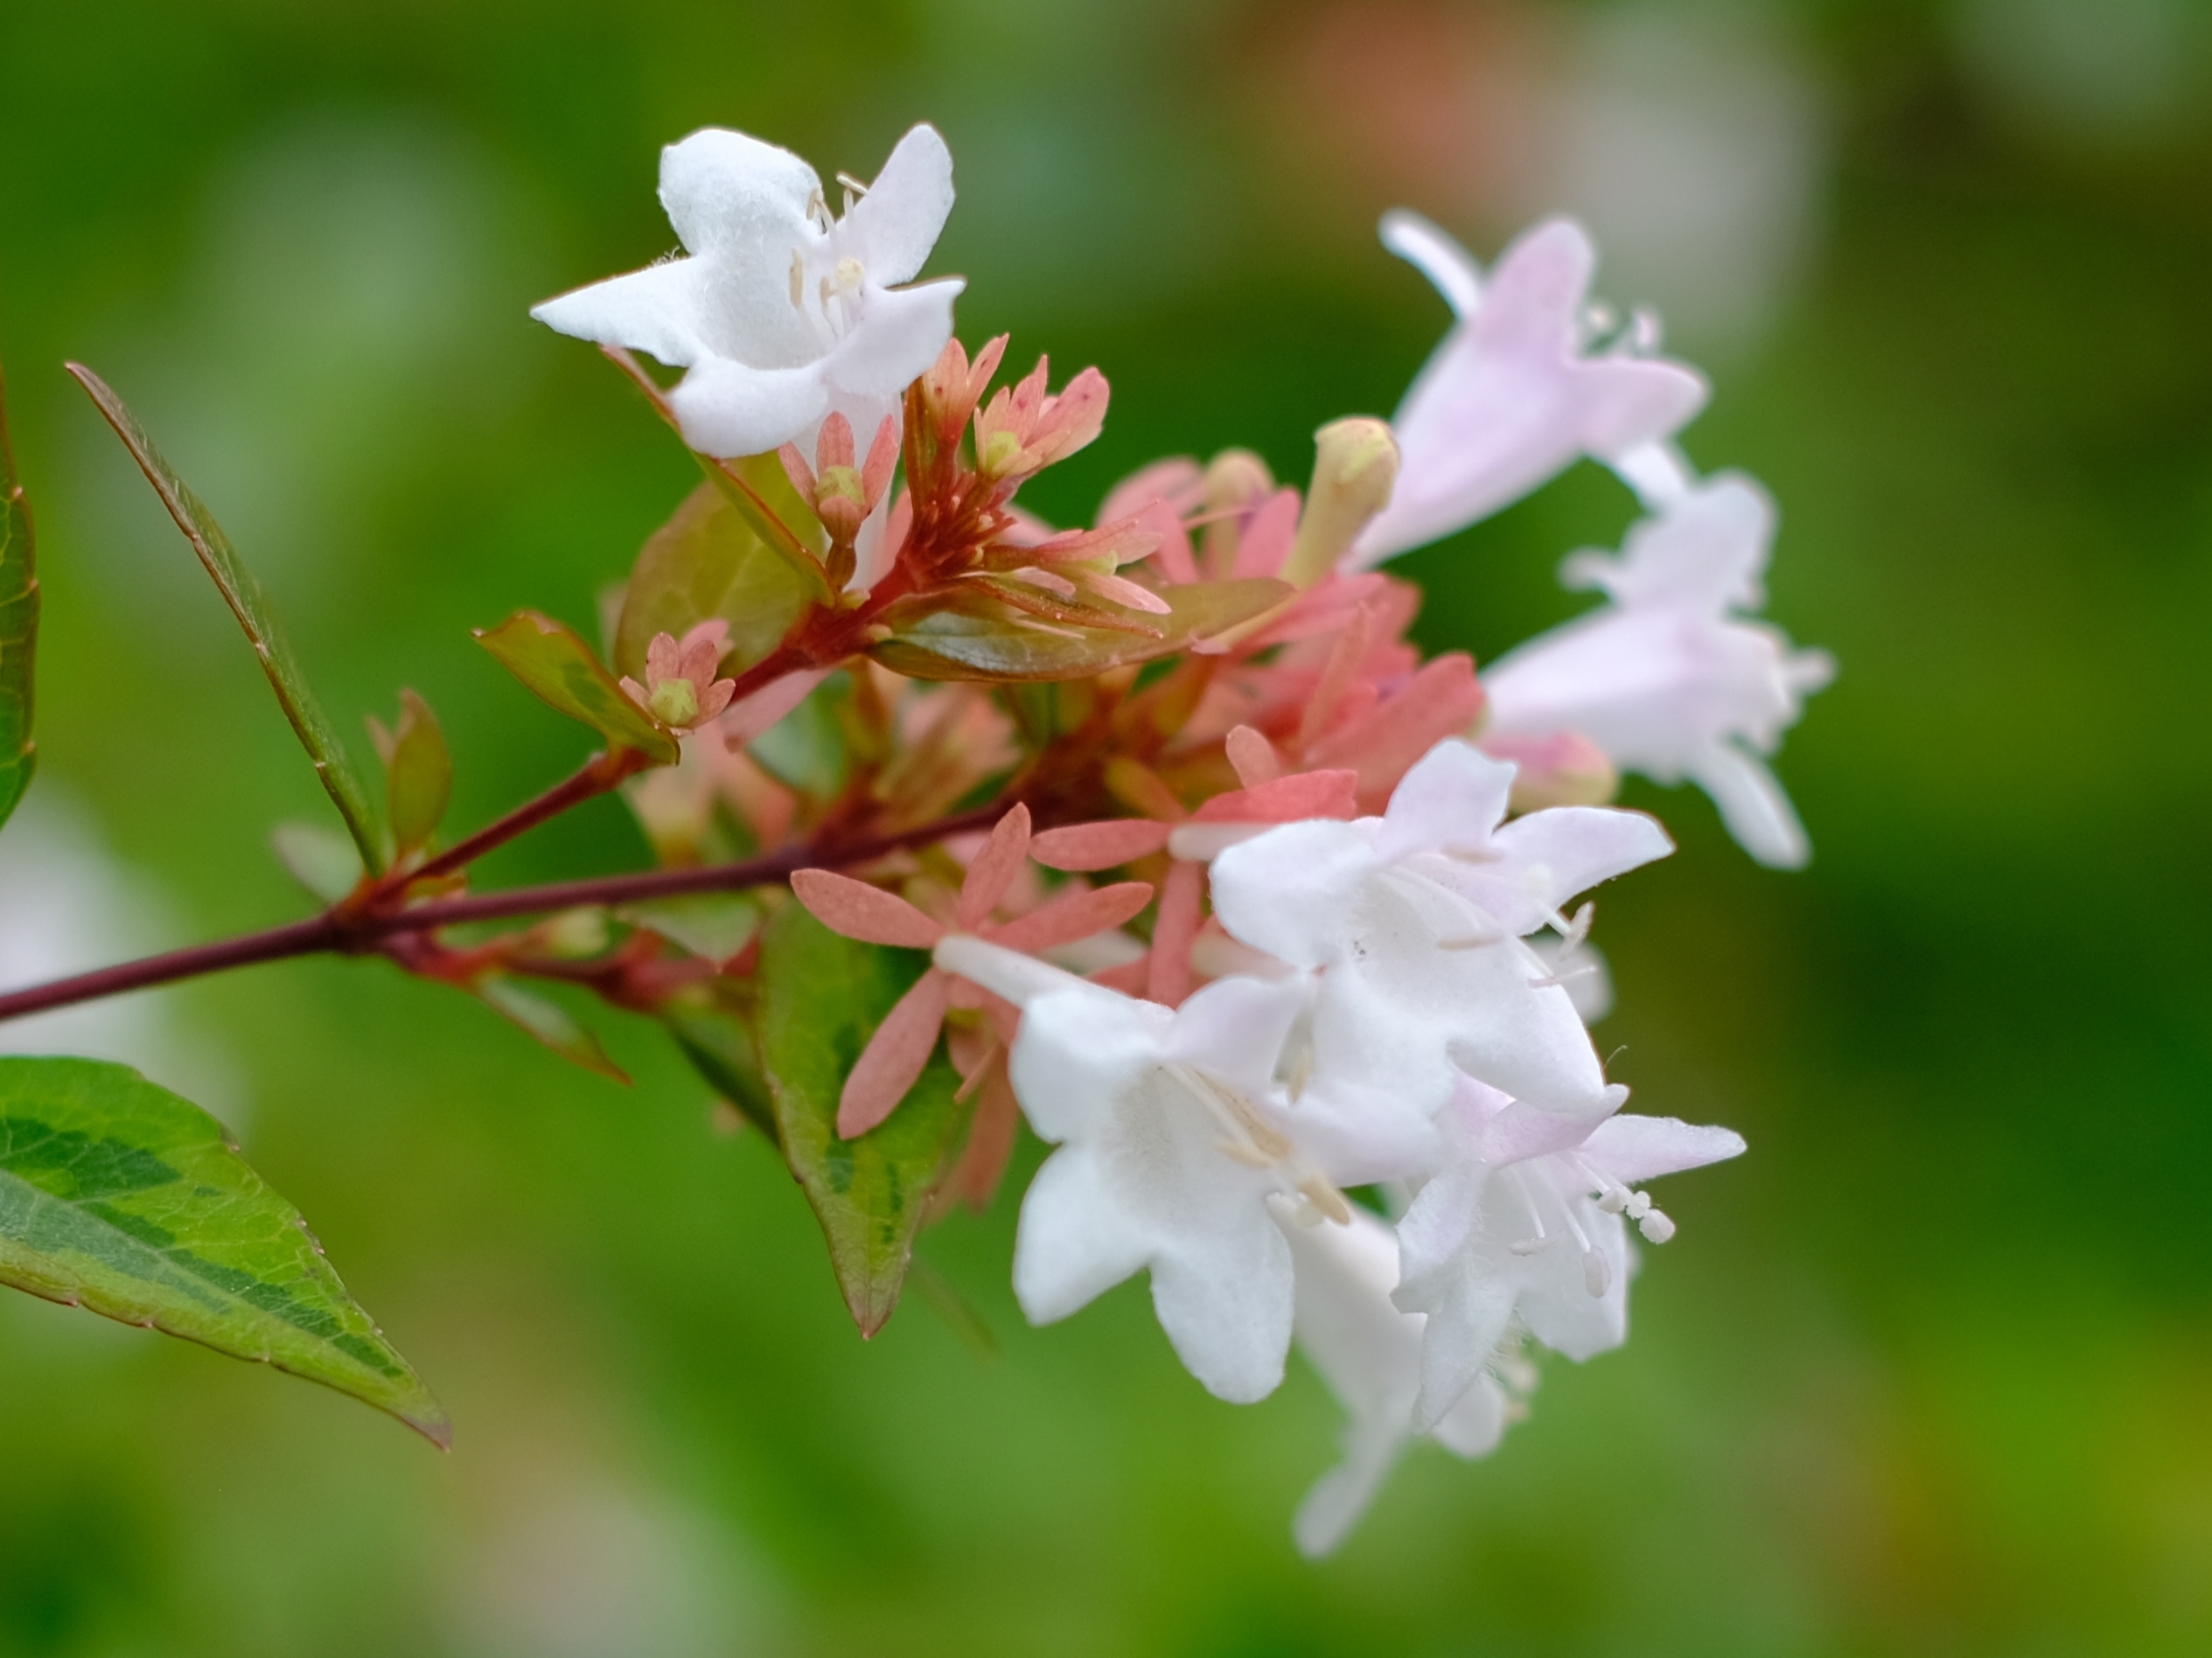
(1355, 468)
(1236, 479)
(841, 501)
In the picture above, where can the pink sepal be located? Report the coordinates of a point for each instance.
(1381, 746)
(753, 714)
(861, 911)
(992, 870)
(1266, 541)
(1073, 916)
(1253, 757)
(1168, 964)
(1301, 795)
(1086, 846)
(894, 1057)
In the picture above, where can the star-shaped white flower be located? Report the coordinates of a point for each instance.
(1512, 395)
(1526, 1222)
(782, 314)
(1368, 1353)
(1169, 1125)
(1411, 926)
(1666, 680)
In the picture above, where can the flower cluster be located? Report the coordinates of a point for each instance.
(1274, 930)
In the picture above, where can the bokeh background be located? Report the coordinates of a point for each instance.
(1927, 1373)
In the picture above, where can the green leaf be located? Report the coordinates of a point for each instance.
(321, 860)
(821, 997)
(559, 668)
(119, 1196)
(418, 774)
(547, 1022)
(712, 1023)
(707, 562)
(250, 605)
(18, 628)
(979, 641)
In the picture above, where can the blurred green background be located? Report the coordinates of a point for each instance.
(1927, 1373)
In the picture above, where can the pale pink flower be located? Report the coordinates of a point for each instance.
(1513, 394)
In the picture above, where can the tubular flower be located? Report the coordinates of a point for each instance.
(1525, 1221)
(1412, 923)
(781, 313)
(1666, 680)
(1368, 1353)
(1171, 1142)
(1514, 394)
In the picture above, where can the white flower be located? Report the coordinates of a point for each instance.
(1411, 923)
(1665, 680)
(782, 314)
(1368, 1353)
(1170, 1128)
(1526, 1221)
(1512, 396)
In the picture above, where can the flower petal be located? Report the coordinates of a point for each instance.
(1636, 1149)
(1437, 256)
(892, 228)
(1074, 1241)
(1322, 863)
(900, 332)
(727, 410)
(1753, 805)
(730, 193)
(1227, 1309)
(1453, 796)
(658, 310)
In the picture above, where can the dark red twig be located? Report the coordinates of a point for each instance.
(598, 775)
(360, 935)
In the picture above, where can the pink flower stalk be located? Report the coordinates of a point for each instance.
(681, 690)
(902, 1043)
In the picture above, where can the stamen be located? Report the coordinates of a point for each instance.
(798, 280)
(1481, 930)
(1542, 1240)
(1656, 1225)
(852, 183)
(1254, 1142)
